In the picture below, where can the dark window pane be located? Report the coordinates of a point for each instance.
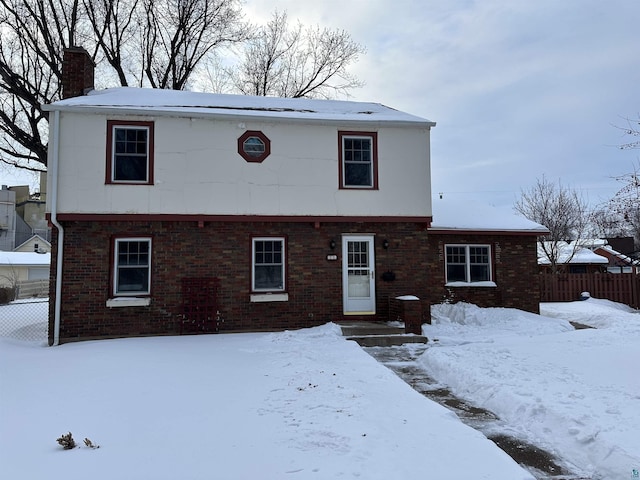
(133, 280)
(479, 273)
(130, 168)
(253, 146)
(268, 277)
(456, 255)
(456, 273)
(358, 174)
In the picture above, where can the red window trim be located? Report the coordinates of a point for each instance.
(150, 154)
(254, 133)
(374, 159)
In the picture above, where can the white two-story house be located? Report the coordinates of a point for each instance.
(177, 211)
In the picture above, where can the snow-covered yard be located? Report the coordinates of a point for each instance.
(575, 392)
(299, 405)
(310, 405)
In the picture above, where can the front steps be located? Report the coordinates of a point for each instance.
(378, 334)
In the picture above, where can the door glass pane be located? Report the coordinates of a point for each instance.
(358, 283)
(358, 280)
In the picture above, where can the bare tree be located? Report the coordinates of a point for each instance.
(33, 36)
(178, 34)
(624, 207)
(298, 62)
(159, 43)
(606, 223)
(562, 211)
(632, 129)
(116, 29)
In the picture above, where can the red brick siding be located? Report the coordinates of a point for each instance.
(314, 284)
(77, 72)
(515, 272)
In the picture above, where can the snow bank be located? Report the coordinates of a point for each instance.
(574, 392)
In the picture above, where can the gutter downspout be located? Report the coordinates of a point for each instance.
(53, 196)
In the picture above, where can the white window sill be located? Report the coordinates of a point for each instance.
(470, 284)
(407, 297)
(269, 297)
(129, 302)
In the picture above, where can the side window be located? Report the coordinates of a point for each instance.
(268, 264)
(468, 263)
(130, 152)
(358, 159)
(132, 266)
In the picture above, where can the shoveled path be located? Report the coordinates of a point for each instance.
(401, 359)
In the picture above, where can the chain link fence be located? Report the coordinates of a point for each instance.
(25, 319)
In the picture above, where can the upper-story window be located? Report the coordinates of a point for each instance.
(254, 146)
(358, 159)
(129, 152)
(468, 263)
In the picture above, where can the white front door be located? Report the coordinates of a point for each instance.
(358, 275)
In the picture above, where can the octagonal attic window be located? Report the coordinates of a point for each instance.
(254, 146)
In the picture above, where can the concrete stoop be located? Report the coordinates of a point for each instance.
(378, 334)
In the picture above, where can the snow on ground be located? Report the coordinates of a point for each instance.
(292, 405)
(575, 392)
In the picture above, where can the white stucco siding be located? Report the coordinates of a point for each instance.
(197, 170)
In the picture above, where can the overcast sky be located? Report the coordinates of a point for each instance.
(519, 88)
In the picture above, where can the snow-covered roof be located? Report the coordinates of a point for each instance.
(566, 254)
(29, 259)
(128, 100)
(451, 215)
(624, 258)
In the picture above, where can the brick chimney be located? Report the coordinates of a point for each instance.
(77, 72)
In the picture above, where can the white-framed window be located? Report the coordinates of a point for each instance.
(132, 266)
(268, 264)
(468, 263)
(129, 152)
(358, 160)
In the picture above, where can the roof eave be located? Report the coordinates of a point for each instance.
(486, 231)
(237, 115)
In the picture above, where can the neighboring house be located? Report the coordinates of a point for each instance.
(31, 209)
(34, 244)
(19, 268)
(22, 215)
(257, 213)
(573, 259)
(618, 262)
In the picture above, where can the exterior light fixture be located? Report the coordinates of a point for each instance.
(385, 244)
(332, 244)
